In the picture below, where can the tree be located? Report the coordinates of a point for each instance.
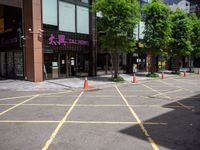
(195, 35)
(181, 44)
(119, 18)
(157, 34)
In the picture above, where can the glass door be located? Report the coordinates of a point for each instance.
(63, 66)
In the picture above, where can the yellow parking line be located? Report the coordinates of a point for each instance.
(80, 122)
(11, 108)
(186, 107)
(156, 91)
(46, 94)
(28, 121)
(174, 91)
(2, 99)
(61, 123)
(113, 122)
(88, 105)
(151, 141)
(185, 82)
(172, 85)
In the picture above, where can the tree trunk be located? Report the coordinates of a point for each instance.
(151, 61)
(115, 63)
(175, 63)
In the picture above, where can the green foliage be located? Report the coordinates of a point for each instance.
(117, 79)
(176, 72)
(152, 75)
(181, 44)
(157, 26)
(119, 18)
(195, 35)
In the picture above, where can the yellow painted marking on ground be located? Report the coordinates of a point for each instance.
(184, 81)
(79, 122)
(64, 105)
(8, 98)
(174, 91)
(193, 80)
(156, 91)
(59, 105)
(52, 96)
(151, 141)
(189, 108)
(46, 94)
(11, 108)
(28, 121)
(61, 123)
(172, 85)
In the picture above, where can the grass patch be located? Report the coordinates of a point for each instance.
(152, 75)
(192, 71)
(118, 79)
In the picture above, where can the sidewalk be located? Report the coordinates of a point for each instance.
(62, 84)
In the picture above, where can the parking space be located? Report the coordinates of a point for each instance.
(155, 114)
(98, 136)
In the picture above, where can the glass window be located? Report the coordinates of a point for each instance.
(82, 20)
(84, 1)
(66, 16)
(49, 12)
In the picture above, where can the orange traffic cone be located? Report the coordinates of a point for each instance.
(198, 72)
(162, 76)
(134, 78)
(86, 83)
(184, 73)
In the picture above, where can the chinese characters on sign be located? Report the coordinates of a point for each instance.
(61, 40)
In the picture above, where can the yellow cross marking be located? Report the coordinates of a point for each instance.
(151, 141)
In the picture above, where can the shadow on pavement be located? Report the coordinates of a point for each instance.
(182, 131)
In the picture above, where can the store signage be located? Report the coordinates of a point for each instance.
(61, 40)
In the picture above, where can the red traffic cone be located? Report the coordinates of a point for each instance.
(134, 78)
(86, 83)
(162, 76)
(184, 73)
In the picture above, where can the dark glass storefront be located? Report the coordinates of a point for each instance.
(63, 65)
(11, 47)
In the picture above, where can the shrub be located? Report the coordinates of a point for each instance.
(118, 79)
(153, 75)
(175, 72)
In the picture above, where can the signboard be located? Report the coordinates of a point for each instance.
(61, 40)
(1, 25)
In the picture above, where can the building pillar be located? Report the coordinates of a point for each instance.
(33, 55)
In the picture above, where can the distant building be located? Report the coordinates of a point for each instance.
(182, 4)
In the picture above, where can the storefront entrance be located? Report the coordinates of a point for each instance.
(67, 64)
(64, 65)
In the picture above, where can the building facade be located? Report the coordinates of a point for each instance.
(49, 39)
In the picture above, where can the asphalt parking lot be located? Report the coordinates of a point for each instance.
(154, 114)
